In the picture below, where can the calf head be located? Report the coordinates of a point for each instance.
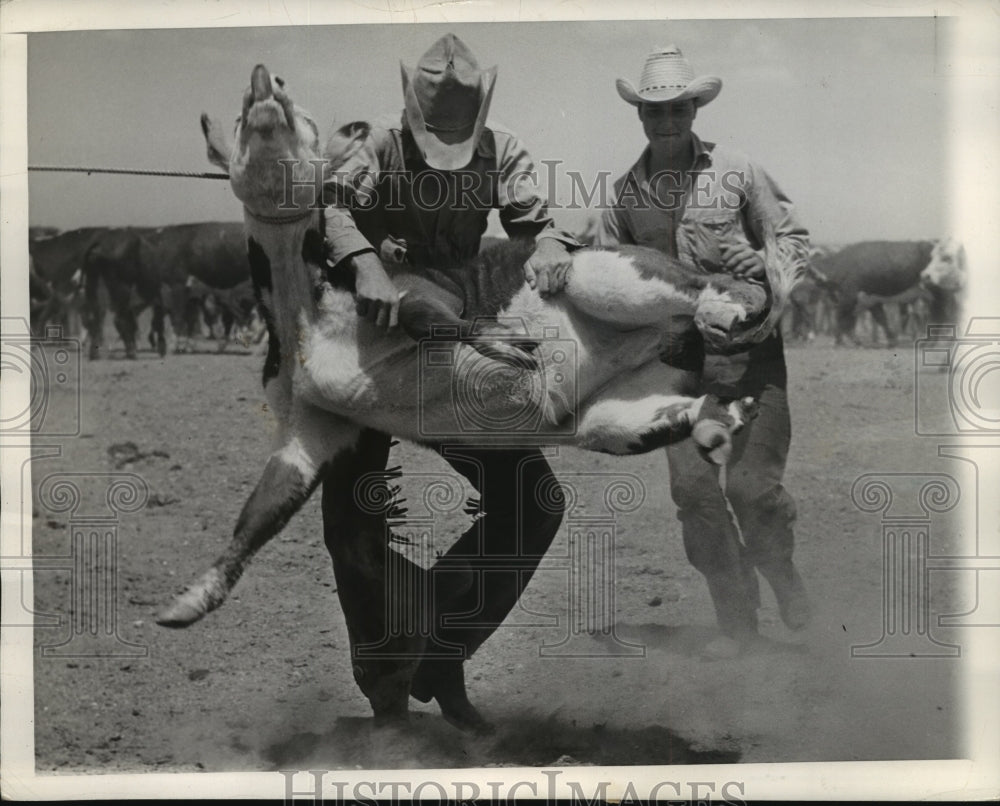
(946, 270)
(733, 315)
(274, 165)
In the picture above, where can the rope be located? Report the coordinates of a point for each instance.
(133, 172)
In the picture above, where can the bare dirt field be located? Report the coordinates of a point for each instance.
(265, 682)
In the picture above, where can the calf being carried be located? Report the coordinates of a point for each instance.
(329, 374)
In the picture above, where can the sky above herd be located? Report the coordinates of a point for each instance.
(849, 115)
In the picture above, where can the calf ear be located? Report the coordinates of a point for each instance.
(345, 143)
(219, 147)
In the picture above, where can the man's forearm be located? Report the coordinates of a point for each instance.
(343, 236)
(557, 236)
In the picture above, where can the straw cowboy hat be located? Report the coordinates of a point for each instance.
(446, 101)
(667, 76)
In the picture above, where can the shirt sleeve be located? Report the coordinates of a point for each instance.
(353, 183)
(523, 210)
(771, 214)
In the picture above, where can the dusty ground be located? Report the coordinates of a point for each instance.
(265, 682)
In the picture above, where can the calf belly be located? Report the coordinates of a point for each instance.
(436, 391)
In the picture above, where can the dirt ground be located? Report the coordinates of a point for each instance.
(265, 682)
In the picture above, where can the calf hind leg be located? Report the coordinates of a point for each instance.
(644, 410)
(291, 474)
(637, 416)
(427, 311)
(717, 421)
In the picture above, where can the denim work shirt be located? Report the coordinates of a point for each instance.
(725, 198)
(440, 215)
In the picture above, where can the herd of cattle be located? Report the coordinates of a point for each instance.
(902, 285)
(188, 273)
(198, 274)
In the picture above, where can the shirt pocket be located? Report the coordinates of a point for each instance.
(702, 234)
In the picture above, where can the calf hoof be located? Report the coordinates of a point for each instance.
(743, 411)
(179, 613)
(713, 441)
(194, 603)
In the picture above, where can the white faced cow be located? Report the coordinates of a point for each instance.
(329, 374)
(946, 270)
(882, 270)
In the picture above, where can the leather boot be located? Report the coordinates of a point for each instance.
(444, 680)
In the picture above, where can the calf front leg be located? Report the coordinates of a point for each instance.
(310, 441)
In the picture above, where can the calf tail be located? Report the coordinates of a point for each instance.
(783, 270)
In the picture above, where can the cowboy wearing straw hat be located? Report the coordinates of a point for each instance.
(713, 207)
(431, 178)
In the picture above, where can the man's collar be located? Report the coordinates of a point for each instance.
(702, 151)
(702, 158)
